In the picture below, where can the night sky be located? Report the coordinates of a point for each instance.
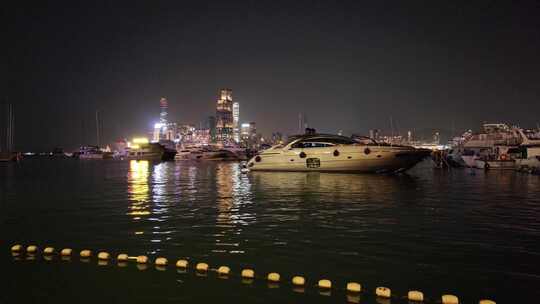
(347, 65)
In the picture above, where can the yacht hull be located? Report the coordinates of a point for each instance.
(354, 158)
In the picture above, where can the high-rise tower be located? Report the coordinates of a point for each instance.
(224, 117)
(236, 117)
(163, 104)
(160, 128)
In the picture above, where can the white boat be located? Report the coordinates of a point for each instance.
(208, 153)
(334, 153)
(528, 154)
(93, 152)
(485, 145)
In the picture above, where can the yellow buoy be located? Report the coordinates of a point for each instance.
(486, 302)
(273, 277)
(103, 255)
(122, 257)
(142, 259)
(48, 250)
(415, 295)
(298, 281)
(161, 262)
(325, 284)
(354, 287)
(86, 253)
(383, 292)
(66, 252)
(201, 267)
(224, 270)
(31, 249)
(182, 264)
(449, 299)
(248, 273)
(16, 248)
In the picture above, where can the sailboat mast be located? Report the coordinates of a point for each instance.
(97, 128)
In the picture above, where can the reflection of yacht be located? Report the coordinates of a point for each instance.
(333, 153)
(93, 152)
(150, 151)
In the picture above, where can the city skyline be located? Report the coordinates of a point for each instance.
(347, 66)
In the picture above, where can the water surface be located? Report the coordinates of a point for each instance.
(473, 235)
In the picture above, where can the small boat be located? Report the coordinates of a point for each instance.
(93, 152)
(10, 156)
(150, 151)
(335, 153)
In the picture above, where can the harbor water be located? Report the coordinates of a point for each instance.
(474, 234)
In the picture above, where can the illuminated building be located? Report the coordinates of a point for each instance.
(248, 135)
(163, 105)
(224, 117)
(163, 130)
(236, 116)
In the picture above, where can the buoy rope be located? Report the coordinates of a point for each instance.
(353, 290)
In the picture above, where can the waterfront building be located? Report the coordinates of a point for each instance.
(236, 117)
(224, 117)
(248, 135)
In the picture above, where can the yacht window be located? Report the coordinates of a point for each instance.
(311, 144)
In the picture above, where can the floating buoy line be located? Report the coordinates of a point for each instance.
(353, 289)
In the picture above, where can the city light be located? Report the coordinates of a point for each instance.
(140, 140)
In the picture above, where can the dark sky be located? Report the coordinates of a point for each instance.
(347, 65)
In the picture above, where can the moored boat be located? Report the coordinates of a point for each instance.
(149, 151)
(93, 152)
(334, 153)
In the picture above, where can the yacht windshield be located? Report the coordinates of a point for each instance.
(318, 140)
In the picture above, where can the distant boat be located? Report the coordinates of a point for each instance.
(93, 152)
(210, 153)
(10, 156)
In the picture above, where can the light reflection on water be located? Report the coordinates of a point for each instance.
(138, 189)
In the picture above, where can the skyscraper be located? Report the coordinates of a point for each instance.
(224, 117)
(160, 128)
(163, 104)
(236, 117)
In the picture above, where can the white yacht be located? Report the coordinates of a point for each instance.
(334, 153)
